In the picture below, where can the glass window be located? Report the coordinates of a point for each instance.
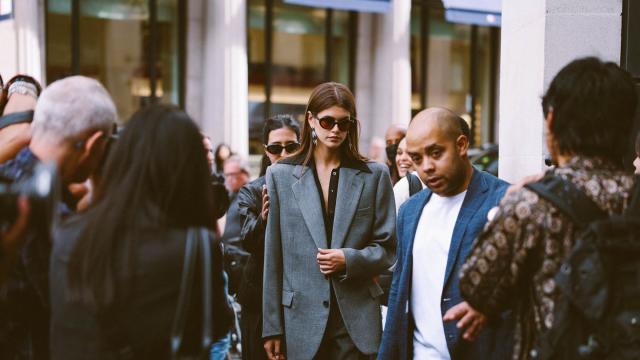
(298, 60)
(298, 55)
(58, 39)
(448, 64)
(340, 44)
(115, 37)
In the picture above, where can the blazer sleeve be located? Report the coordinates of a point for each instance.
(380, 254)
(272, 322)
(253, 227)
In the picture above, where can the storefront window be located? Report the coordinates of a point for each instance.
(288, 57)
(458, 59)
(117, 40)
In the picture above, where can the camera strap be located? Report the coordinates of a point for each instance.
(16, 118)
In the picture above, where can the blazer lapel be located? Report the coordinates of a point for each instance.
(472, 201)
(306, 194)
(350, 187)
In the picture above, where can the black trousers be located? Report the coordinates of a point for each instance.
(251, 330)
(336, 342)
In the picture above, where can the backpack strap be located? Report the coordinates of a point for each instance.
(572, 201)
(415, 185)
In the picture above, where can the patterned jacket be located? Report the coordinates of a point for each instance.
(515, 258)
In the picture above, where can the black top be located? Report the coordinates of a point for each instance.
(145, 316)
(328, 213)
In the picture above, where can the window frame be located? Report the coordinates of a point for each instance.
(329, 19)
(152, 51)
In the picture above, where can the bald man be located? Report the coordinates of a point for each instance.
(435, 231)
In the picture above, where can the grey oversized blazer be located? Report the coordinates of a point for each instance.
(296, 293)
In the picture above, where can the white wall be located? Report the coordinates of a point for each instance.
(538, 39)
(383, 70)
(217, 71)
(22, 40)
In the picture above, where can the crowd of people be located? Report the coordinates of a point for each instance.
(158, 239)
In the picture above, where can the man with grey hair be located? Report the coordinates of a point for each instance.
(73, 120)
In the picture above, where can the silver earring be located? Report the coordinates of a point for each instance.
(314, 137)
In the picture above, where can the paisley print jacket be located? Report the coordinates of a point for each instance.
(514, 260)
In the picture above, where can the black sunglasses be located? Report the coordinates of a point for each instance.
(328, 122)
(276, 149)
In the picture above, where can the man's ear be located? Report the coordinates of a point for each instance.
(91, 144)
(462, 143)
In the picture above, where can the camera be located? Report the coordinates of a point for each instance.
(220, 195)
(42, 190)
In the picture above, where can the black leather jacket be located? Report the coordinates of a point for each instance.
(252, 240)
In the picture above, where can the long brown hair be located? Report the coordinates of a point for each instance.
(323, 97)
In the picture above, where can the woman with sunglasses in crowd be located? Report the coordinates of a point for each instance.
(281, 137)
(330, 233)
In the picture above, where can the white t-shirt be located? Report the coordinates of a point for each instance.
(401, 191)
(430, 253)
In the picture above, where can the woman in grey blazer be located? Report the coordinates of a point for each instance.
(330, 233)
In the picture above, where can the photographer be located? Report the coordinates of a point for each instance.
(72, 122)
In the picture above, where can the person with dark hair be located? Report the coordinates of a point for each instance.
(281, 136)
(222, 153)
(436, 228)
(330, 233)
(116, 269)
(588, 109)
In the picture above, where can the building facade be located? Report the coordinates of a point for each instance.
(233, 63)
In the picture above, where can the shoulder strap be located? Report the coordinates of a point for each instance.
(567, 198)
(207, 290)
(186, 286)
(414, 184)
(16, 118)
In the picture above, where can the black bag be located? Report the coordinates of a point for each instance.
(235, 260)
(598, 316)
(194, 315)
(199, 320)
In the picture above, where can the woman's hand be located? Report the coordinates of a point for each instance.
(265, 203)
(331, 261)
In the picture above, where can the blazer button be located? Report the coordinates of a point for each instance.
(325, 303)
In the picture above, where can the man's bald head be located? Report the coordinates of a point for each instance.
(395, 133)
(437, 142)
(449, 123)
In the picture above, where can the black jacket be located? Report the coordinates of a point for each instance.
(144, 317)
(252, 240)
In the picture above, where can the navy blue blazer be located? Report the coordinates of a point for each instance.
(484, 192)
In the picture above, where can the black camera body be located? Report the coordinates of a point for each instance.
(220, 195)
(42, 190)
